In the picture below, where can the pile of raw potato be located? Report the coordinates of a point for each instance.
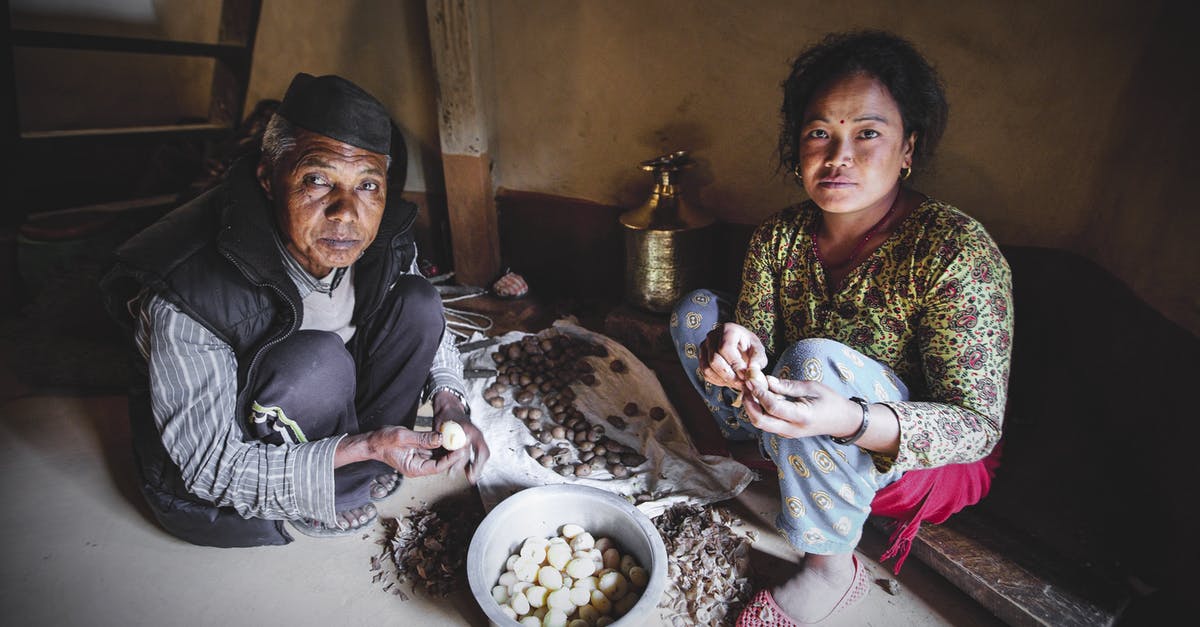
(544, 367)
(570, 580)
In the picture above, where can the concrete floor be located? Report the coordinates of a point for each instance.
(79, 547)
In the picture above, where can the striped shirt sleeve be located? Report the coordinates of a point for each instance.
(193, 385)
(447, 369)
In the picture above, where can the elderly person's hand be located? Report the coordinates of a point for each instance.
(409, 452)
(473, 456)
(727, 352)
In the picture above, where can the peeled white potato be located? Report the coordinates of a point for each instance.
(558, 555)
(555, 618)
(580, 567)
(560, 600)
(571, 580)
(550, 578)
(536, 596)
(525, 569)
(579, 596)
(583, 542)
(453, 436)
(519, 603)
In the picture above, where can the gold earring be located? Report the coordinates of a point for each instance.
(905, 173)
(796, 173)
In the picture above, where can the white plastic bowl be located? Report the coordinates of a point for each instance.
(541, 511)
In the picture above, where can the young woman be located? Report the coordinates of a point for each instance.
(884, 315)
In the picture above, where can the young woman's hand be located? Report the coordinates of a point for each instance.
(727, 352)
(798, 409)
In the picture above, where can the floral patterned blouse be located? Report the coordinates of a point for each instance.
(933, 302)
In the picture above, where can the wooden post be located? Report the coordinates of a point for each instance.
(231, 74)
(14, 211)
(456, 30)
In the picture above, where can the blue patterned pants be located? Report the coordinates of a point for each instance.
(825, 488)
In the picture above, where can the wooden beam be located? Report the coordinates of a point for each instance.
(149, 203)
(456, 30)
(169, 130)
(1007, 576)
(10, 142)
(105, 43)
(231, 74)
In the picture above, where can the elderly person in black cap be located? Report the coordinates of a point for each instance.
(284, 337)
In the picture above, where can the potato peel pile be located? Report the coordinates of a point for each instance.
(707, 565)
(429, 547)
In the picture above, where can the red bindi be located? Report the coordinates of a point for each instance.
(843, 121)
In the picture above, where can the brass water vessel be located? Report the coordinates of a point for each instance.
(668, 242)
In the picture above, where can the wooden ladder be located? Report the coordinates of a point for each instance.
(41, 150)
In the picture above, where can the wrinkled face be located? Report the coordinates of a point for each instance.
(328, 199)
(852, 145)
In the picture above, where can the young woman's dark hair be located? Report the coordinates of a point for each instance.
(911, 80)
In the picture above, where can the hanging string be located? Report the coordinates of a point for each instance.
(460, 323)
(463, 324)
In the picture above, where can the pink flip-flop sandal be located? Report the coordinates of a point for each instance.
(763, 611)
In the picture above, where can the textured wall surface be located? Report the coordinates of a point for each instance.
(1071, 122)
(1068, 122)
(382, 46)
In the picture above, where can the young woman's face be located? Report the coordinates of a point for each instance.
(853, 145)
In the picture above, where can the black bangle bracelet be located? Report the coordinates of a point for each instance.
(866, 409)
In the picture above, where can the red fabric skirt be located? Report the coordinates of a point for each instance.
(930, 495)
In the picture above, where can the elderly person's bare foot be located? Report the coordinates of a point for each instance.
(348, 521)
(825, 585)
(383, 486)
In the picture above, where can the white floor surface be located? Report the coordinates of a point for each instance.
(79, 547)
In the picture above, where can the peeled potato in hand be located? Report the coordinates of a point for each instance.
(453, 436)
(750, 374)
(757, 376)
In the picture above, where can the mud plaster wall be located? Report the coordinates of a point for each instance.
(1069, 120)
(383, 46)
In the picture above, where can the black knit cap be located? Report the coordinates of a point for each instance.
(338, 109)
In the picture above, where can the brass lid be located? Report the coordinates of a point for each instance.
(665, 209)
